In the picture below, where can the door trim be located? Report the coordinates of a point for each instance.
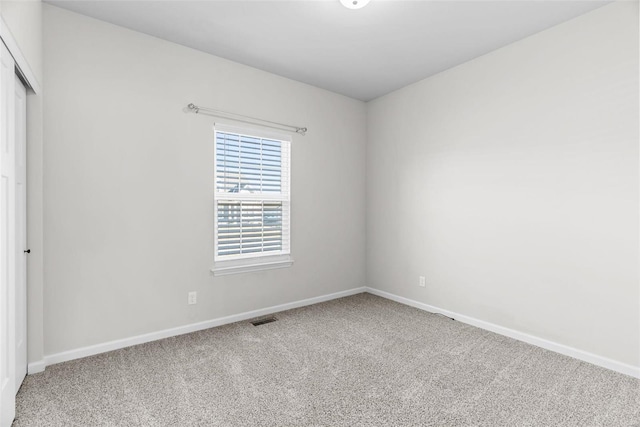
(22, 65)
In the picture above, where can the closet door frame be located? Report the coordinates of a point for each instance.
(15, 63)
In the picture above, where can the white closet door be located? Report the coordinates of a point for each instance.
(21, 231)
(7, 238)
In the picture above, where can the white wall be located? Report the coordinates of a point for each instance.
(129, 184)
(511, 183)
(24, 20)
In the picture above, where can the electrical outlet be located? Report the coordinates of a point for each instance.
(422, 282)
(192, 298)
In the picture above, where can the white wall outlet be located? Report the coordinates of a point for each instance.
(422, 282)
(192, 297)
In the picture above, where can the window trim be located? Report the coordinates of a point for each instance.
(235, 266)
(253, 261)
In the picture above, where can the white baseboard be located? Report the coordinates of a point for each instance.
(153, 336)
(594, 359)
(604, 362)
(35, 367)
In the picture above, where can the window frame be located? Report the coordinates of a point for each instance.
(231, 264)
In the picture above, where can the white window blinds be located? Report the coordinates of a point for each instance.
(252, 200)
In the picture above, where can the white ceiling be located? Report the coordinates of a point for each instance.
(363, 53)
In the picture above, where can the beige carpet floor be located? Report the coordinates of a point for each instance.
(356, 361)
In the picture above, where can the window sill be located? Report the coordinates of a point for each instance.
(223, 268)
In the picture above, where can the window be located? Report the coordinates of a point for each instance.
(252, 200)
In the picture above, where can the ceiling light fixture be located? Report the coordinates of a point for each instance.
(354, 4)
